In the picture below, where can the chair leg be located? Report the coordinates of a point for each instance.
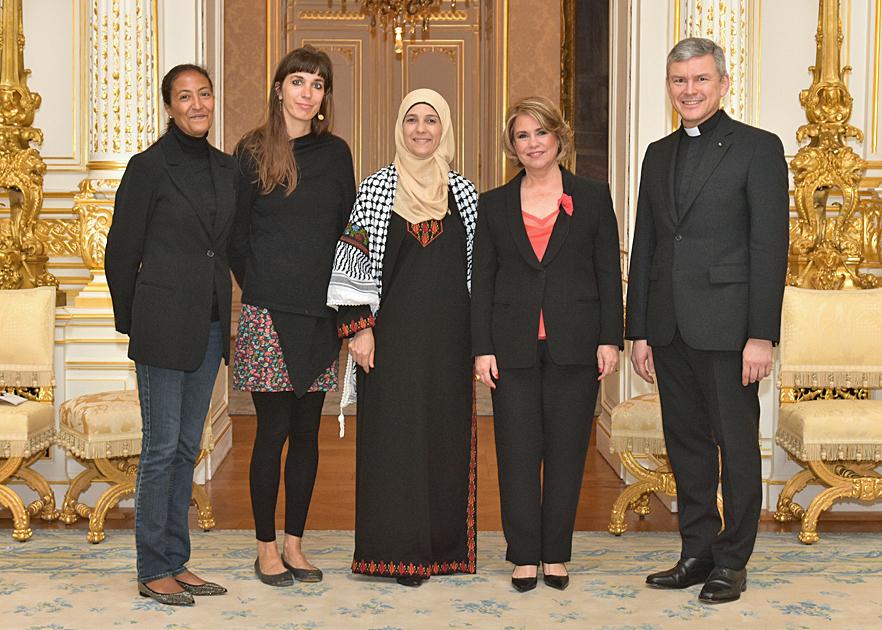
(642, 506)
(45, 503)
(204, 511)
(787, 509)
(637, 494)
(71, 508)
(120, 473)
(21, 520)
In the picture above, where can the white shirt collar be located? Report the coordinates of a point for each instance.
(692, 132)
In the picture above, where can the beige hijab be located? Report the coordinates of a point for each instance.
(422, 182)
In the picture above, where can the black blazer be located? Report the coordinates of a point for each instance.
(717, 273)
(164, 258)
(577, 284)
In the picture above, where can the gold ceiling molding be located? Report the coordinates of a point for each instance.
(827, 238)
(22, 254)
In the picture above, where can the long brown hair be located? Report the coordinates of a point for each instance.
(267, 144)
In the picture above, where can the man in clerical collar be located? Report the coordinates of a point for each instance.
(706, 281)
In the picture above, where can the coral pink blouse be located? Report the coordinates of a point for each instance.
(539, 233)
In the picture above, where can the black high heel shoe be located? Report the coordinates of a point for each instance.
(522, 585)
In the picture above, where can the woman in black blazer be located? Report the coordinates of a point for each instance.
(168, 275)
(546, 328)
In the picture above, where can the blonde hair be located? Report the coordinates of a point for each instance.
(544, 112)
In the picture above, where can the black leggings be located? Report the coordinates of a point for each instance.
(282, 416)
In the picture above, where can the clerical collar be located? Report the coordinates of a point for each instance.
(706, 127)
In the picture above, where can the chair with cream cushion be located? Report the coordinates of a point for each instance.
(27, 342)
(636, 434)
(103, 433)
(830, 340)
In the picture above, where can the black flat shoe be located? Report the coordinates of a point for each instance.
(723, 585)
(207, 589)
(560, 582)
(181, 598)
(410, 580)
(277, 579)
(303, 575)
(686, 573)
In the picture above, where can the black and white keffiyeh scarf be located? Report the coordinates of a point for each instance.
(357, 275)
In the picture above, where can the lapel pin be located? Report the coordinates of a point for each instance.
(719, 144)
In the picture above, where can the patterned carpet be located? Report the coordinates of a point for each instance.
(57, 580)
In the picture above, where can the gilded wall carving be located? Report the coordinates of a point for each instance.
(22, 254)
(827, 237)
(728, 24)
(123, 79)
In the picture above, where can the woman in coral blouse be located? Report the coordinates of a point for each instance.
(546, 328)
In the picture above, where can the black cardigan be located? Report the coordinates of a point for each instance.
(282, 249)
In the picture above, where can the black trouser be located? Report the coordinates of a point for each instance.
(282, 416)
(542, 414)
(704, 406)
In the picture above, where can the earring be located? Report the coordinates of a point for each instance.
(280, 103)
(321, 116)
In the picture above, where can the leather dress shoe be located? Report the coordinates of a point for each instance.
(303, 575)
(181, 598)
(275, 579)
(723, 585)
(208, 588)
(686, 573)
(410, 580)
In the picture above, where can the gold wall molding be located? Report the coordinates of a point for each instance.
(22, 254)
(123, 80)
(729, 25)
(414, 52)
(828, 234)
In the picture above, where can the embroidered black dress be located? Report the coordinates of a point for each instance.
(416, 467)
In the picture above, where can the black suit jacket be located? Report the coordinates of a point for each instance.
(165, 258)
(577, 284)
(717, 272)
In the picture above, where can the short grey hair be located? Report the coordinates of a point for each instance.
(691, 47)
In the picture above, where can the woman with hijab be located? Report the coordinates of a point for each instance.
(401, 286)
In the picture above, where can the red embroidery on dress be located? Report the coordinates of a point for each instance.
(347, 330)
(469, 564)
(426, 231)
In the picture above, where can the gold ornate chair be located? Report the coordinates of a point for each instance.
(830, 340)
(103, 433)
(636, 435)
(27, 344)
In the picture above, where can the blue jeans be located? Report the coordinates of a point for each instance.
(174, 404)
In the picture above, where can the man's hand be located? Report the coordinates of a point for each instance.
(641, 359)
(756, 361)
(607, 360)
(485, 368)
(361, 347)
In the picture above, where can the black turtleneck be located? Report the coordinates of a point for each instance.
(689, 154)
(195, 151)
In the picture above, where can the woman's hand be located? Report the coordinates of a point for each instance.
(361, 347)
(607, 360)
(485, 368)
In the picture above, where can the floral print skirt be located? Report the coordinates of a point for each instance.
(259, 364)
